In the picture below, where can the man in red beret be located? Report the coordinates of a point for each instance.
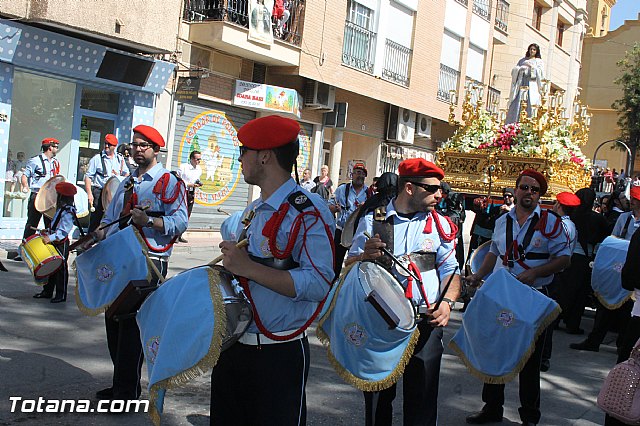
(543, 250)
(286, 270)
(38, 170)
(410, 227)
(58, 235)
(153, 187)
(102, 166)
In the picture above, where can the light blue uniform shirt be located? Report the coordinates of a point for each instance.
(556, 247)
(409, 237)
(34, 168)
(115, 167)
(277, 312)
(64, 225)
(174, 214)
(622, 219)
(355, 200)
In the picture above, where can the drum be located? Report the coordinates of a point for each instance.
(231, 228)
(606, 279)
(105, 269)
(47, 197)
(477, 257)
(500, 327)
(81, 201)
(349, 230)
(42, 259)
(186, 323)
(368, 326)
(109, 190)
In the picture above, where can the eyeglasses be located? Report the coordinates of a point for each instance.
(427, 187)
(534, 189)
(244, 149)
(142, 146)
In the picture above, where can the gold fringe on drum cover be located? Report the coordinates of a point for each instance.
(208, 361)
(501, 380)
(361, 384)
(608, 305)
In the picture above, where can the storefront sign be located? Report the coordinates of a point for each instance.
(187, 89)
(216, 138)
(266, 97)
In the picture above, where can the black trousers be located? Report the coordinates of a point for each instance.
(125, 350)
(33, 217)
(191, 198)
(420, 380)
(261, 385)
(553, 291)
(608, 318)
(529, 391)
(341, 251)
(96, 216)
(59, 279)
(575, 291)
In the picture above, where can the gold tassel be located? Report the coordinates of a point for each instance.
(609, 305)
(501, 380)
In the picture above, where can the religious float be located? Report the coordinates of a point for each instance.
(486, 151)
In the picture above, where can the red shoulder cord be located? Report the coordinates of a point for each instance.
(408, 292)
(56, 167)
(446, 237)
(270, 231)
(541, 226)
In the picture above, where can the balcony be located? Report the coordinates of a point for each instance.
(502, 15)
(358, 50)
(447, 81)
(465, 3)
(224, 25)
(481, 8)
(493, 100)
(397, 63)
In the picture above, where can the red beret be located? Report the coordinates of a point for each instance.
(635, 192)
(269, 132)
(66, 188)
(149, 133)
(49, 141)
(568, 199)
(537, 176)
(361, 166)
(420, 168)
(111, 139)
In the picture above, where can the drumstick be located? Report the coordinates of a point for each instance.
(154, 267)
(446, 287)
(241, 244)
(85, 238)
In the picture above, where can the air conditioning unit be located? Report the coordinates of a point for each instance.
(319, 95)
(423, 126)
(338, 117)
(401, 125)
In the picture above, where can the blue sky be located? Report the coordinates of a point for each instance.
(624, 9)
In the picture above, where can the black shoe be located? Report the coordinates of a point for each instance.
(577, 331)
(484, 416)
(585, 346)
(58, 299)
(43, 295)
(545, 365)
(105, 393)
(528, 424)
(182, 240)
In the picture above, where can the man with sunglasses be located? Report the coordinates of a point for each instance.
(409, 227)
(543, 249)
(163, 194)
(38, 170)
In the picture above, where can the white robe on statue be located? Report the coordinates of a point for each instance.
(528, 72)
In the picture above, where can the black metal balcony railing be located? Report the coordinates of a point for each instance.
(358, 50)
(447, 81)
(463, 2)
(502, 15)
(288, 28)
(481, 8)
(493, 100)
(397, 62)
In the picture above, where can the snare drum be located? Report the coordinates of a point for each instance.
(81, 201)
(109, 190)
(606, 278)
(349, 228)
(368, 326)
(42, 259)
(477, 257)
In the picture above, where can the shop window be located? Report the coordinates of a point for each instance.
(536, 20)
(40, 107)
(99, 100)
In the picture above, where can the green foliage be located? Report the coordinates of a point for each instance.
(628, 106)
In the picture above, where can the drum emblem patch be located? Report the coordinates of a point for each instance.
(301, 199)
(427, 245)
(355, 334)
(537, 242)
(617, 267)
(104, 273)
(152, 349)
(506, 318)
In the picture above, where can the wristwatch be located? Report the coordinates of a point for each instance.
(450, 302)
(150, 222)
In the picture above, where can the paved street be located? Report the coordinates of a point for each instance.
(54, 351)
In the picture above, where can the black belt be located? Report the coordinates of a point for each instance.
(272, 262)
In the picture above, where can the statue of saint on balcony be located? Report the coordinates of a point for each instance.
(529, 72)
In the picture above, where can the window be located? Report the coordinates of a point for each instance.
(358, 49)
(537, 16)
(360, 15)
(560, 33)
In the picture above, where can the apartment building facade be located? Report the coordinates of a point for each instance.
(75, 72)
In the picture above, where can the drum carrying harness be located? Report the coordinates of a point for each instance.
(55, 170)
(517, 252)
(72, 210)
(103, 171)
(283, 258)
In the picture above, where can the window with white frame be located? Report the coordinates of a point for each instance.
(358, 49)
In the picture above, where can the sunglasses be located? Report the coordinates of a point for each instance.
(508, 195)
(534, 189)
(244, 149)
(427, 187)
